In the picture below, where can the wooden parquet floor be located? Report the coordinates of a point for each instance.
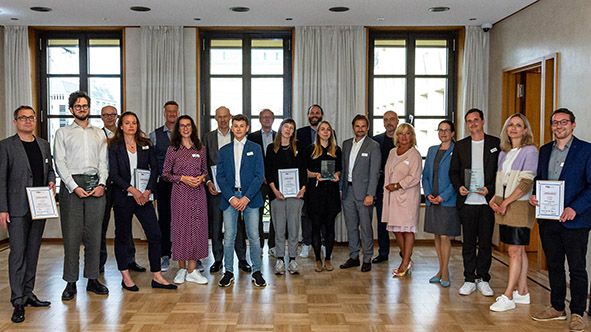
(341, 300)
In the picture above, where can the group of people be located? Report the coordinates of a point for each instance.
(218, 185)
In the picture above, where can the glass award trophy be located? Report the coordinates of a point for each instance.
(327, 170)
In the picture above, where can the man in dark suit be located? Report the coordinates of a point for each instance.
(240, 173)
(386, 142)
(213, 141)
(359, 179)
(25, 161)
(475, 160)
(264, 137)
(567, 159)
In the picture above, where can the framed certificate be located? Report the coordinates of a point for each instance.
(214, 172)
(550, 195)
(41, 203)
(289, 182)
(142, 177)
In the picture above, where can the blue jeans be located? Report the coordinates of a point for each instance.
(251, 220)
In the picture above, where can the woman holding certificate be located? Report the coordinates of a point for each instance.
(517, 166)
(286, 175)
(402, 194)
(133, 168)
(323, 200)
(186, 167)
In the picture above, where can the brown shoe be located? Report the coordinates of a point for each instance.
(318, 267)
(328, 265)
(549, 314)
(577, 324)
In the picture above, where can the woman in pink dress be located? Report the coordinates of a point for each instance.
(402, 194)
(186, 167)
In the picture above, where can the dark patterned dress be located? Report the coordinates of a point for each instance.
(188, 227)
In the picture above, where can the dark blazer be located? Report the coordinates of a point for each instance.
(210, 140)
(576, 174)
(252, 173)
(16, 174)
(120, 173)
(257, 137)
(366, 168)
(380, 139)
(462, 159)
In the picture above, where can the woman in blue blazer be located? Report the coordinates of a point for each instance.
(441, 217)
(130, 150)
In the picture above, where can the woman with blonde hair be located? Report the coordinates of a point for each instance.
(517, 166)
(402, 176)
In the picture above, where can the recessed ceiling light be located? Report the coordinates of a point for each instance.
(339, 9)
(41, 9)
(14, 19)
(289, 19)
(140, 9)
(380, 19)
(197, 19)
(473, 19)
(239, 9)
(438, 9)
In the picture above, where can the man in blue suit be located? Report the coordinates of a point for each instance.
(567, 159)
(240, 174)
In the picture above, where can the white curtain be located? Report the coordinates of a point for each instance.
(329, 70)
(17, 72)
(475, 71)
(162, 72)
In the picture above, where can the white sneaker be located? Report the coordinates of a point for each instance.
(520, 299)
(467, 288)
(293, 267)
(279, 267)
(180, 277)
(305, 251)
(272, 252)
(196, 277)
(484, 288)
(503, 303)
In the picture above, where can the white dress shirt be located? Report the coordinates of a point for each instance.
(80, 150)
(223, 139)
(267, 138)
(132, 166)
(355, 147)
(238, 149)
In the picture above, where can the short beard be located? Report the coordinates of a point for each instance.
(314, 121)
(82, 118)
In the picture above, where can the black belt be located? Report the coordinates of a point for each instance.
(237, 189)
(350, 183)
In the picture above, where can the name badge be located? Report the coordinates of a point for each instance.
(493, 150)
(46, 161)
(145, 147)
(195, 155)
(364, 154)
(250, 153)
(562, 164)
(407, 162)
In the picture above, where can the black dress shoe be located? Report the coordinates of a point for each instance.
(156, 284)
(18, 315)
(134, 266)
(379, 259)
(96, 287)
(215, 267)
(350, 263)
(244, 266)
(33, 301)
(366, 267)
(69, 292)
(133, 288)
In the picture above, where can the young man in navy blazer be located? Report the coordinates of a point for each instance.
(567, 159)
(240, 174)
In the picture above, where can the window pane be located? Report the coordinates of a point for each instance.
(226, 57)
(63, 56)
(104, 60)
(431, 57)
(103, 92)
(389, 95)
(267, 93)
(226, 92)
(430, 96)
(426, 131)
(267, 57)
(59, 91)
(389, 57)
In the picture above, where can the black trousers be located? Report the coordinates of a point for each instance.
(265, 190)
(383, 234)
(146, 215)
(25, 241)
(106, 219)
(478, 223)
(323, 229)
(164, 191)
(558, 242)
(306, 227)
(216, 221)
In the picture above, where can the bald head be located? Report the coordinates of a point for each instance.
(390, 122)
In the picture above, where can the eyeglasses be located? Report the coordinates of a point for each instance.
(109, 115)
(444, 130)
(81, 107)
(26, 118)
(185, 126)
(562, 122)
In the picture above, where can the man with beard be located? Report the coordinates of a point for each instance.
(81, 162)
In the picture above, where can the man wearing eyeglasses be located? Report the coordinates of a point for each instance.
(567, 159)
(25, 161)
(80, 152)
(109, 117)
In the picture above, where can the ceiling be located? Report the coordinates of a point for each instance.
(262, 12)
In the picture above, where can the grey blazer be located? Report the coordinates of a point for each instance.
(16, 174)
(210, 141)
(366, 169)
